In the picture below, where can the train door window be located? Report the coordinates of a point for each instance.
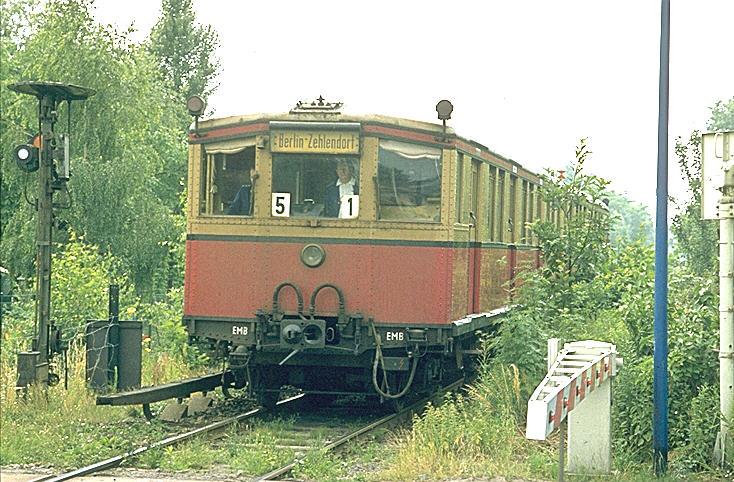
(512, 221)
(459, 187)
(501, 194)
(474, 201)
(539, 206)
(308, 185)
(227, 181)
(491, 201)
(524, 211)
(409, 182)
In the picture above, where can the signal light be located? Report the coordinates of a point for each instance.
(26, 157)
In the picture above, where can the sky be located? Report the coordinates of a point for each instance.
(527, 79)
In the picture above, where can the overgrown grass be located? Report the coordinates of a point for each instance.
(470, 435)
(65, 428)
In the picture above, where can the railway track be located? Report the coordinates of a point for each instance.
(341, 441)
(334, 429)
(212, 430)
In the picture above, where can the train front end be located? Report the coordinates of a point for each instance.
(320, 253)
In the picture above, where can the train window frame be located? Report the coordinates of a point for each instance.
(299, 205)
(404, 157)
(218, 193)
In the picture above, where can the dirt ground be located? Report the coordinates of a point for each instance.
(136, 475)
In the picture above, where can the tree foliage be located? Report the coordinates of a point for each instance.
(696, 239)
(575, 252)
(631, 221)
(128, 152)
(589, 289)
(575, 248)
(722, 116)
(185, 51)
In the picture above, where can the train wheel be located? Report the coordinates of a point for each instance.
(266, 386)
(268, 399)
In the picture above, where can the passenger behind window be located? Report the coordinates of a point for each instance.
(242, 202)
(345, 185)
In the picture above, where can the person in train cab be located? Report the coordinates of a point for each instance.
(242, 202)
(345, 185)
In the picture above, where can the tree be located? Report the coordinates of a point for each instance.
(631, 221)
(128, 154)
(575, 247)
(722, 116)
(185, 51)
(562, 297)
(695, 238)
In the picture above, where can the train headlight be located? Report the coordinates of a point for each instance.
(313, 255)
(196, 105)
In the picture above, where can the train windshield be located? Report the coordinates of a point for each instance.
(315, 186)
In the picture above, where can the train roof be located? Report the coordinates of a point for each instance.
(261, 119)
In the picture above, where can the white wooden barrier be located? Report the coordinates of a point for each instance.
(581, 372)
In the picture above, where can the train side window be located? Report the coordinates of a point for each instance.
(512, 220)
(524, 211)
(324, 186)
(501, 194)
(409, 182)
(491, 201)
(228, 182)
(459, 187)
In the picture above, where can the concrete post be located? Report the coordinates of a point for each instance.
(723, 452)
(590, 433)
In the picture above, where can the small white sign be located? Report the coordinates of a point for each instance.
(349, 206)
(717, 153)
(281, 207)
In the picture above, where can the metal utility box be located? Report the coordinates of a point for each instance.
(114, 353)
(129, 355)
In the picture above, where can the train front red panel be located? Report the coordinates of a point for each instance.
(390, 283)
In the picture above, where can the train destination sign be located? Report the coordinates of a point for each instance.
(316, 142)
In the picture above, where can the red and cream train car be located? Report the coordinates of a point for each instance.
(349, 254)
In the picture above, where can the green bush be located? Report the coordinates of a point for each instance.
(703, 426)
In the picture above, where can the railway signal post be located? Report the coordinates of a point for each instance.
(50, 157)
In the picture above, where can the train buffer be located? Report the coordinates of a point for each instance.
(578, 386)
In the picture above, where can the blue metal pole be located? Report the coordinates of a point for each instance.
(660, 356)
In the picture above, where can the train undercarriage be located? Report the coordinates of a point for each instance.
(338, 355)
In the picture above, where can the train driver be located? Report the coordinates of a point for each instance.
(345, 185)
(242, 202)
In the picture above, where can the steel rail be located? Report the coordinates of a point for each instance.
(367, 428)
(173, 440)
